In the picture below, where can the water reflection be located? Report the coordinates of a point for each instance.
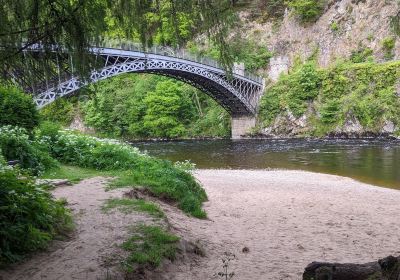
(372, 161)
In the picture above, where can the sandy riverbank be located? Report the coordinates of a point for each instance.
(286, 219)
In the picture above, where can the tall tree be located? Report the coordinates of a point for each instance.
(75, 24)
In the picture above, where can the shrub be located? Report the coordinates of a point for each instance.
(388, 45)
(16, 145)
(251, 53)
(307, 10)
(17, 108)
(29, 216)
(60, 111)
(362, 55)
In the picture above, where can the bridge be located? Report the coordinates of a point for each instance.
(239, 92)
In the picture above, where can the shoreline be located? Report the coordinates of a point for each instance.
(367, 138)
(359, 181)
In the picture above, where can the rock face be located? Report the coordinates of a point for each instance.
(78, 124)
(356, 23)
(287, 125)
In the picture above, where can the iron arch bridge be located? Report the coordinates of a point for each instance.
(238, 93)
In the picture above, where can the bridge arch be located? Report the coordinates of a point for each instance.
(238, 94)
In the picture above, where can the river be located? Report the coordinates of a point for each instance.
(375, 162)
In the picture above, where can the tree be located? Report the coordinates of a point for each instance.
(75, 25)
(168, 110)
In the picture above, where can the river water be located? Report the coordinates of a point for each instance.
(371, 161)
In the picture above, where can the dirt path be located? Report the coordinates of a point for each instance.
(92, 253)
(286, 219)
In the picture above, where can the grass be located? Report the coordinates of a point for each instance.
(182, 191)
(127, 206)
(148, 246)
(74, 174)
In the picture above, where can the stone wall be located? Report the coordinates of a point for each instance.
(241, 126)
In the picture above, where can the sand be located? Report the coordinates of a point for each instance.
(288, 219)
(285, 219)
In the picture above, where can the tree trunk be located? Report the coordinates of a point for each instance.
(384, 269)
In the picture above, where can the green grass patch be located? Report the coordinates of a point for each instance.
(127, 206)
(148, 246)
(74, 174)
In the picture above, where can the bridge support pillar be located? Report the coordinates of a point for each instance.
(241, 125)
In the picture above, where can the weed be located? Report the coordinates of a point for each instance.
(148, 246)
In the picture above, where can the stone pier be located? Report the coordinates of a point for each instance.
(241, 125)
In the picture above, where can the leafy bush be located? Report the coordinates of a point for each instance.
(29, 216)
(17, 108)
(291, 92)
(61, 111)
(160, 177)
(16, 145)
(307, 10)
(251, 53)
(388, 45)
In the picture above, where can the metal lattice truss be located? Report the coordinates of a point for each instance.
(239, 95)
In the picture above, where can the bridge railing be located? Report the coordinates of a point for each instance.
(168, 51)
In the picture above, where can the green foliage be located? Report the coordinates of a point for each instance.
(148, 246)
(362, 55)
(274, 8)
(17, 108)
(16, 145)
(160, 177)
(329, 111)
(29, 22)
(149, 106)
(127, 206)
(334, 26)
(307, 10)
(365, 91)
(60, 111)
(292, 92)
(253, 55)
(168, 110)
(395, 24)
(388, 45)
(29, 216)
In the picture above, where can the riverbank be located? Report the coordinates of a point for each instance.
(275, 222)
(285, 220)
